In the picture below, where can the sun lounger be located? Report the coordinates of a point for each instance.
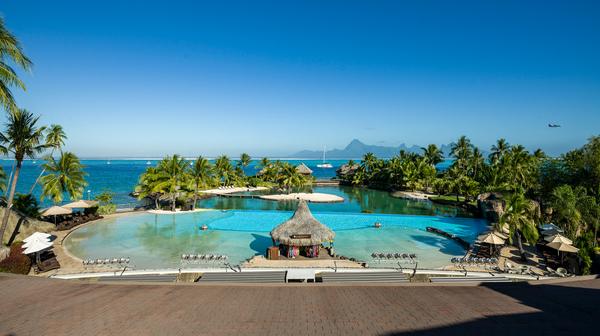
(47, 265)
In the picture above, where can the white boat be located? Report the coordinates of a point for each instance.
(324, 164)
(148, 162)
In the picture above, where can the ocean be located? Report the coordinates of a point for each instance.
(120, 176)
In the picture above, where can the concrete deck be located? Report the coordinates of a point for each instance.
(37, 306)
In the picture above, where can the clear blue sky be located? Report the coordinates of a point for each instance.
(147, 78)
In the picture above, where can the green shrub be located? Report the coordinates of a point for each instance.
(17, 262)
(107, 209)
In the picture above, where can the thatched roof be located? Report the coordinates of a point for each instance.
(303, 169)
(302, 229)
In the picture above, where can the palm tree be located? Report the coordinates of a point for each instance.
(22, 138)
(477, 162)
(224, 169)
(565, 211)
(498, 150)
(462, 151)
(10, 51)
(520, 216)
(146, 184)
(65, 175)
(290, 178)
(200, 175)
(433, 154)
(244, 160)
(264, 163)
(171, 176)
(55, 139)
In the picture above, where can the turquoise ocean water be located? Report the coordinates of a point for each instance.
(121, 176)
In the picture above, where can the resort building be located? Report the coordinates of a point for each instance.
(303, 169)
(302, 234)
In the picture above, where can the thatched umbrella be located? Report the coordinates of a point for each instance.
(55, 210)
(81, 204)
(492, 239)
(562, 247)
(303, 169)
(302, 229)
(558, 238)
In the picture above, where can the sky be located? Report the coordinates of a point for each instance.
(151, 78)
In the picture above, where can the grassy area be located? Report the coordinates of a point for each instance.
(451, 199)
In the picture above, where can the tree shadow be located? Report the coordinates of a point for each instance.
(563, 309)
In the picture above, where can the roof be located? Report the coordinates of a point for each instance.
(302, 229)
(303, 169)
(81, 204)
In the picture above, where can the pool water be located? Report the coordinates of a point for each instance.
(157, 241)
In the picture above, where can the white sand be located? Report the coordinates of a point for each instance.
(309, 197)
(232, 190)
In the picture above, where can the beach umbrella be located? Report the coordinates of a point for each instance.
(37, 246)
(501, 235)
(562, 247)
(55, 210)
(558, 238)
(83, 204)
(491, 238)
(37, 236)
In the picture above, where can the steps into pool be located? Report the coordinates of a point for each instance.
(395, 277)
(469, 279)
(141, 278)
(244, 277)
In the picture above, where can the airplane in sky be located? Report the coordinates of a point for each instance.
(553, 125)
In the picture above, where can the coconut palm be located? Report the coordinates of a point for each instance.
(65, 175)
(170, 177)
(244, 160)
(520, 215)
(290, 178)
(433, 155)
(462, 150)
(55, 139)
(498, 150)
(476, 162)
(224, 170)
(565, 211)
(263, 163)
(10, 51)
(200, 175)
(22, 138)
(145, 187)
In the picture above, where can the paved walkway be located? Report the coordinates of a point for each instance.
(37, 306)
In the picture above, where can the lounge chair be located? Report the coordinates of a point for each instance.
(562, 272)
(47, 265)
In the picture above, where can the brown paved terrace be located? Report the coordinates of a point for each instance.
(38, 306)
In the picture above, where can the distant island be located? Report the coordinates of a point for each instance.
(356, 149)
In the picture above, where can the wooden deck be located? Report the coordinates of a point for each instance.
(37, 306)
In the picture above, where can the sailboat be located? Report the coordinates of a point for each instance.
(324, 164)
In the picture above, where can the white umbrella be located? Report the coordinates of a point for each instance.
(37, 235)
(501, 235)
(37, 246)
(83, 204)
(558, 238)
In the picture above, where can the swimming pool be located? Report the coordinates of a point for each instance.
(157, 241)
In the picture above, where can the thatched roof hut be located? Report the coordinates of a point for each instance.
(303, 169)
(302, 229)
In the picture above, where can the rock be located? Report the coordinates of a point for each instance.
(28, 226)
(491, 205)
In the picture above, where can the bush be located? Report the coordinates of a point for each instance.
(107, 209)
(17, 262)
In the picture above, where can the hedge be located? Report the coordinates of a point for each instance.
(16, 262)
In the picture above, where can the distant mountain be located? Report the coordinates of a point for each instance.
(356, 149)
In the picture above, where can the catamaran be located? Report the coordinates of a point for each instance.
(324, 164)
